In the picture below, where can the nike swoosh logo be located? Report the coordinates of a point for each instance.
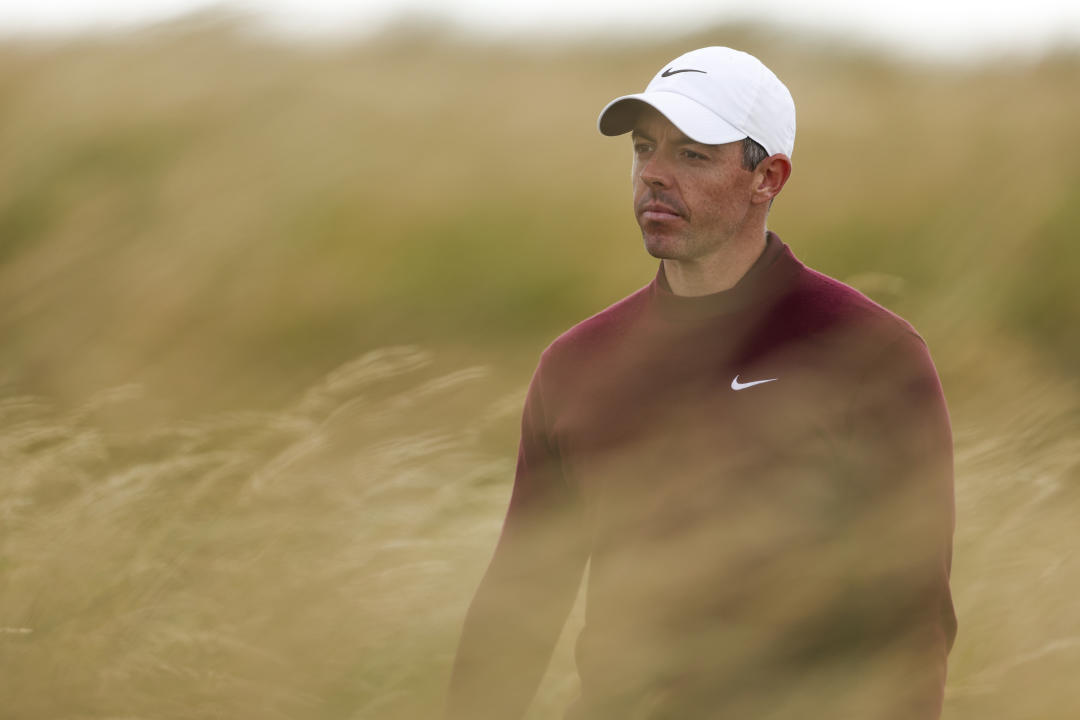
(736, 385)
(669, 72)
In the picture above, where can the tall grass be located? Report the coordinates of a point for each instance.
(267, 313)
(306, 562)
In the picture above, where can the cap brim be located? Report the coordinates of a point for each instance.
(696, 121)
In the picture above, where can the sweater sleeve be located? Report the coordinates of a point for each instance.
(526, 594)
(900, 464)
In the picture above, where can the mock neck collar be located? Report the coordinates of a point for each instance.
(762, 280)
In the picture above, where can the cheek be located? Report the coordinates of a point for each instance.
(639, 187)
(722, 195)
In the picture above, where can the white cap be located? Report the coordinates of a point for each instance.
(714, 95)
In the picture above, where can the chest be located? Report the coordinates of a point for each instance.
(668, 438)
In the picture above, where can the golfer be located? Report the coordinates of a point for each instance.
(752, 460)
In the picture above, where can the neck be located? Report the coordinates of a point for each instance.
(716, 272)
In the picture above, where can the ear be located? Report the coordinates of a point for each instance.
(769, 178)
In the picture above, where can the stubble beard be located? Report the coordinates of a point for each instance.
(661, 248)
(680, 246)
(667, 243)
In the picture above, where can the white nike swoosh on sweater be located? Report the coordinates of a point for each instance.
(736, 385)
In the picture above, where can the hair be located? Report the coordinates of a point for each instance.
(752, 153)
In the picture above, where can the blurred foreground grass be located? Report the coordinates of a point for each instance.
(267, 314)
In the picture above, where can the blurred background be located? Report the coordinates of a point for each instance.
(273, 279)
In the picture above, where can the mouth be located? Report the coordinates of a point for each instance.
(655, 211)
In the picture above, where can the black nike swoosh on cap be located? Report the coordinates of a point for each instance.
(669, 72)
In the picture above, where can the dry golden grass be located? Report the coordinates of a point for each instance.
(268, 312)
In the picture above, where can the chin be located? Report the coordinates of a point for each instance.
(662, 247)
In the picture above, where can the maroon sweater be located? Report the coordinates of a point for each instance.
(761, 483)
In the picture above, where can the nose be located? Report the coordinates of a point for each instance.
(655, 171)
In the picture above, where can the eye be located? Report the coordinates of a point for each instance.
(642, 147)
(693, 155)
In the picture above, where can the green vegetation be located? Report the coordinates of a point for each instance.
(268, 312)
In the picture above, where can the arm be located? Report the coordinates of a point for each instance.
(529, 587)
(900, 459)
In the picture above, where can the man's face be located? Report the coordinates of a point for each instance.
(690, 199)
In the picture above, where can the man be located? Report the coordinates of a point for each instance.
(754, 459)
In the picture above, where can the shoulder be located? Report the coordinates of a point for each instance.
(873, 364)
(823, 305)
(582, 356)
(846, 339)
(597, 335)
(881, 351)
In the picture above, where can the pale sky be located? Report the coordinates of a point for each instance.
(921, 28)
